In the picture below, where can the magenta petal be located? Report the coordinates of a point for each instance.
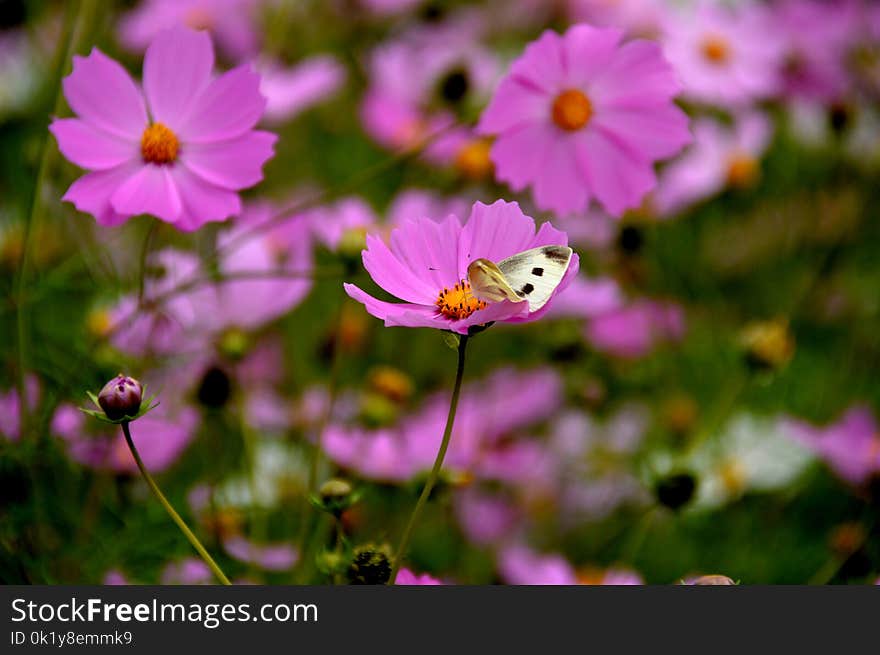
(177, 67)
(494, 232)
(514, 104)
(151, 190)
(398, 314)
(560, 184)
(395, 276)
(228, 107)
(543, 64)
(91, 193)
(91, 148)
(233, 164)
(617, 176)
(518, 155)
(642, 61)
(203, 202)
(659, 131)
(102, 93)
(588, 51)
(430, 250)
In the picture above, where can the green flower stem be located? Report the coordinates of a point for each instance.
(173, 514)
(438, 463)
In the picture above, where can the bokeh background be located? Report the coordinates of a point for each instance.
(702, 400)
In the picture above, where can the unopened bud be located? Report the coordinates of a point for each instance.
(371, 565)
(121, 397)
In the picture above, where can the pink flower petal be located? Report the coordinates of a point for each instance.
(430, 250)
(228, 107)
(202, 201)
(233, 164)
(398, 314)
(617, 176)
(395, 276)
(514, 104)
(102, 93)
(588, 51)
(560, 185)
(177, 67)
(151, 190)
(659, 131)
(636, 60)
(494, 232)
(543, 64)
(89, 147)
(518, 155)
(91, 193)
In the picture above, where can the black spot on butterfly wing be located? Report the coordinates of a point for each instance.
(526, 289)
(538, 271)
(555, 254)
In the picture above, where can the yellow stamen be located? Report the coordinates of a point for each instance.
(159, 144)
(742, 171)
(572, 110)
(458, 302)
(473, 160)
(715, 49)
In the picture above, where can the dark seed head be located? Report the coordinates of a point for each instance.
(215, 388)
(676, 490)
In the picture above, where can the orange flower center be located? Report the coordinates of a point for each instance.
(458, 302)
(742, 171)
(159, 145)
(473, 160)
(571, 110)
(715, 49)
(199, 18)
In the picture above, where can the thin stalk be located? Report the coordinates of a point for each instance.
(72, 19)
(438, 463)
(171, 512)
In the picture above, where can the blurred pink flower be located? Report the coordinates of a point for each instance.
(10, 408)
(115, 577)
(271, 557)
(186, 571)
(728, 55)
(160, 436)
(184, 161)
(817, 37)
(610, 577)
(850, 446)
(632, 331)
(289, 91)
(582, 116)
(428, 258)
(330, 224)
(488, 413)
(485, 518)
(230, 22)
(588, 297)
(418, 84)
(520, 565)
(720, 156)
(407, 577)
(638, 18)
(424, 203)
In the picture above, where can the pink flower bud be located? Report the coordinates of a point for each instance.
(121, 397)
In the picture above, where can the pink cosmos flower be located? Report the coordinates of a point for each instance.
(850, 446)
(290, 91)
(520, 565)
(230, 23)
(346, 219)
(642, 18)
(10, 408)
(419, 84)
(720, 157)
(724, 55)
(189, 570)
(271, 557)
(581, 116)
(633, 330)
(180, 150)
(407, 577)
(817, 37)
(161, 436)
(488, 414)
(485, 518)
(429, 258)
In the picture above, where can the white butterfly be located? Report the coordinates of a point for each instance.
(531, 275)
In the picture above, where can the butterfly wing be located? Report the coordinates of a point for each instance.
(534, 274)
(488, 282)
